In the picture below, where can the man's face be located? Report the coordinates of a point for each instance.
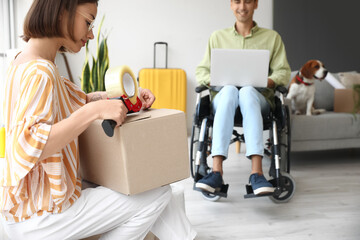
(244, 9)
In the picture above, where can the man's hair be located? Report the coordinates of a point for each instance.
(42, 20)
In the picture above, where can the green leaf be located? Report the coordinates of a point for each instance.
(106, 62)
(85, 78)
(94, 76)
(103, 64)
(98, 33)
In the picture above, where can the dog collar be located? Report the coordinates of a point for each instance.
(302, 81)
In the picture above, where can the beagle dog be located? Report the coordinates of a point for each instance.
(302, 87)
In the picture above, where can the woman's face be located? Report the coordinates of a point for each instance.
(83, 21)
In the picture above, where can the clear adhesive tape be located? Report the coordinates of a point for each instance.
(121, 81)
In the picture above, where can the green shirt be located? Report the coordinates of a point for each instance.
(259, 38)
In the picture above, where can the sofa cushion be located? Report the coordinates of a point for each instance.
(324, 96)
(325, 126)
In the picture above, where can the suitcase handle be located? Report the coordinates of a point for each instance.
(166, 58)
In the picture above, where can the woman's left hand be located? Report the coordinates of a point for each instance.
(147, 98)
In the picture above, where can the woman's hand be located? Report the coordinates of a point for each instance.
(147, 98)
(111, 109)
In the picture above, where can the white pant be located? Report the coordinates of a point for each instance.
(114, 215)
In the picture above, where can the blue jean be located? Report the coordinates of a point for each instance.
(253, 106)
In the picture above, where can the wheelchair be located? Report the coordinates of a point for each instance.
(277, 147)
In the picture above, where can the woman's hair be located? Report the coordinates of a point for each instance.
(43, 18)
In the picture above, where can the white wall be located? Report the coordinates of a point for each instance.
(135, 25)
(4, 44)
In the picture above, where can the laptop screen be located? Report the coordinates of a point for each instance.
(239, 67)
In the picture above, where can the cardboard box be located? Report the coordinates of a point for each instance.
(344, 100)
(148, 151)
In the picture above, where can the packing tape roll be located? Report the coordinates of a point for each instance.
(2, 142)
(121, 81)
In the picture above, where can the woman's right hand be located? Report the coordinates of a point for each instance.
(111, 109)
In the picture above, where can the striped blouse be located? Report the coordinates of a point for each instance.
(36, 97)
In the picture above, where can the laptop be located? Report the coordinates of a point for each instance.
(239, 67)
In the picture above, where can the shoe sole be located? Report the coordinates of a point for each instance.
(205, 187)
(264, 190)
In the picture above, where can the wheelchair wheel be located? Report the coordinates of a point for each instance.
(285, 142)
(210, 197)
(287, 190)
(284, 137)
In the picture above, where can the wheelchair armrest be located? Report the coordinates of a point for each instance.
(283, 90)
(201, 88)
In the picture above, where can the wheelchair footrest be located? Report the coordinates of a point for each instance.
(250, 193)
(222, 193)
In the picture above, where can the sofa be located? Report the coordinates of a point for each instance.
(329, 130)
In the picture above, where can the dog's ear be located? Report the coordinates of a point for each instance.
(307, 70)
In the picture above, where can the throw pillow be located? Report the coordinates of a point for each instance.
(324, 95)
(348, 79)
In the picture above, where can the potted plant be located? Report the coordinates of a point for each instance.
(92, 77)
(356, 89)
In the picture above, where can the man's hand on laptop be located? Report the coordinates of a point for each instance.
(271, 83)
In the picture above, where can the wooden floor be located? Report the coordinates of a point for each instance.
(326, 204)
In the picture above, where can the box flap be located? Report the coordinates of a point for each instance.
(150, 113)
(132, 117)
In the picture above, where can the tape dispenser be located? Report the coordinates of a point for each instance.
(120, 84)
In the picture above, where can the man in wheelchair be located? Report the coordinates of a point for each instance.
(254, 103)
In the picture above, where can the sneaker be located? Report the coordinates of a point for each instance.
(260, 185)
(211, 182)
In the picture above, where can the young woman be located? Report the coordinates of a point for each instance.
(40, 193)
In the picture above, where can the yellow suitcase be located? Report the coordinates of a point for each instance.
(168, 85)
